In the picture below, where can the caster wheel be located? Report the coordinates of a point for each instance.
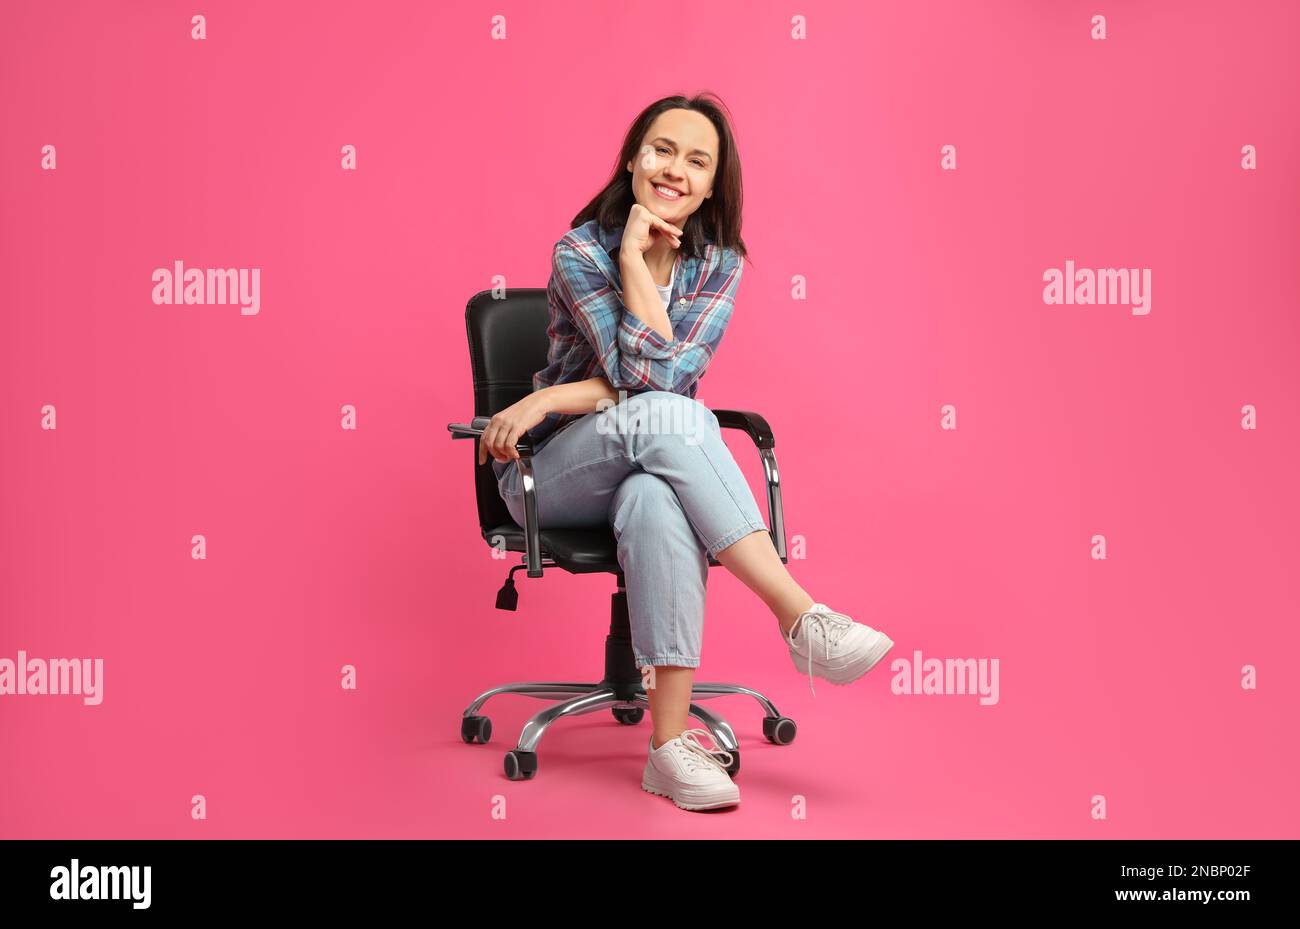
(521, 766)
(779, 729)
(628, 716)
(476, 729)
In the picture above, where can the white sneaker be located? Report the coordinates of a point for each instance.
(689, 774)
(833, 646)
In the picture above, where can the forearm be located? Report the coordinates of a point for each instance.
(508, 425)
(576, 396)
(640, 296)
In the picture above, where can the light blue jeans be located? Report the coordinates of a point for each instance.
(655, 469)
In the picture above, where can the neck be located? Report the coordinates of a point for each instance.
(660, 258)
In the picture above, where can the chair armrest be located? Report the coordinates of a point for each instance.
(752, 423)
(475, 428)
(758, 430)
(532, 532)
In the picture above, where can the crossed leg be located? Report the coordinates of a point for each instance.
(670, 500)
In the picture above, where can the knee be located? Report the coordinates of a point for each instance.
(664, 413)
(648, 503)
(666, 398)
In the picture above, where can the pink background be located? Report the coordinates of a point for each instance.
(325, 547)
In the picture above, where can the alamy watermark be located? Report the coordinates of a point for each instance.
(53, 677)
(946, 676)
(179, 285)
(1116, 286)
(90, 882)
(655, 415)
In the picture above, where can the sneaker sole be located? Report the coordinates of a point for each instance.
(652, 786)
(850, 673)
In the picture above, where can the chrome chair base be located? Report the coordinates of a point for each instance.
(578, 699)
(622, 691)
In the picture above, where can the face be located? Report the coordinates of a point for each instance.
(679, 152)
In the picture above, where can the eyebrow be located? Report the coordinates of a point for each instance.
(698, 151)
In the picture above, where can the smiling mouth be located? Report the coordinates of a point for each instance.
(666, 193)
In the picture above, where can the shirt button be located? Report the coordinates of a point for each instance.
(681, 302)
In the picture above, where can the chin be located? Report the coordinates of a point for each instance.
(661, 208)
(663, 211)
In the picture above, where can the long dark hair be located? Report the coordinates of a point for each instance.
(718, 215)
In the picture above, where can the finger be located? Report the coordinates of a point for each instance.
(665, 233)
(498, 444)
(511, 438)
(482, 451)
(666, 226)
(490, 441)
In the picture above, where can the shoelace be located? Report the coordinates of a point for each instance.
(691, 741)
(834, 626)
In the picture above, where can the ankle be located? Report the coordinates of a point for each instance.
(658, 741)
(787, 615)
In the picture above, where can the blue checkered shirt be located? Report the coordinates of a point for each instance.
(592, 332)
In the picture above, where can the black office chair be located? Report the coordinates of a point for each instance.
(507, 344)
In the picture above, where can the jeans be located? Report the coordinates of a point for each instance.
(655, 469)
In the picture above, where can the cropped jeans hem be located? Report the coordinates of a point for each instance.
(668, 661)
(732, 538)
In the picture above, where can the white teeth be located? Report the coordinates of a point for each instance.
(667, 191)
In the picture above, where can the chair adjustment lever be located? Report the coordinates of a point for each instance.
(507, 596)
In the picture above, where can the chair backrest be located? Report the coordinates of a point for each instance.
(507, 345)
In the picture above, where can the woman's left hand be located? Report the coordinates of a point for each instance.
(505, 428)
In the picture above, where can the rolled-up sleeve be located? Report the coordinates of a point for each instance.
(634, 356)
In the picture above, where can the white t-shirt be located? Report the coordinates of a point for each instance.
(666, 292)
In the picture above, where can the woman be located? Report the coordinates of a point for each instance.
(642, 288)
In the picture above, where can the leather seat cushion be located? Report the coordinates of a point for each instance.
(578, 551)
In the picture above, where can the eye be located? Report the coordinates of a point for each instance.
(661, 149)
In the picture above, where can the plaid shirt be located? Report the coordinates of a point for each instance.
(593, 333)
